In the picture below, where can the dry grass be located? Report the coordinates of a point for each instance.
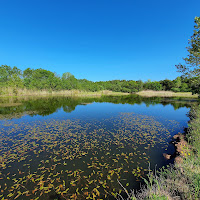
(151, 93)
(25, 92)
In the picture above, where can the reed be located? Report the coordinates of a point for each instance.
(151, 93)
(9, 91)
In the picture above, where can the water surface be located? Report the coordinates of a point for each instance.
(79, 148)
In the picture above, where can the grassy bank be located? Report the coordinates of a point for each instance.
(9, 91)
(18, 92)
(181, 180)
(151, 93)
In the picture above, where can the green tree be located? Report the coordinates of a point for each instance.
(69, 81)
(11, 77)
(177, 84)
(40, 79)
(184, 87)
(66, 75)
(5, 74)
(192, 61)
(167, 84)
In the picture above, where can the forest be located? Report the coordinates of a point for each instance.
(41, 79)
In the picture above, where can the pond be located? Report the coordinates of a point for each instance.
(81, 148)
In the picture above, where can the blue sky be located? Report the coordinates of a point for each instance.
(98, 39)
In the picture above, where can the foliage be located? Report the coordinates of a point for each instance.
(192, 67)
(41, 79)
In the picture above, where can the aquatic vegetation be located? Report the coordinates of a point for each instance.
(182, 179)
(78, 159)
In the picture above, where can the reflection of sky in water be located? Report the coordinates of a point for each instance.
(106, 110)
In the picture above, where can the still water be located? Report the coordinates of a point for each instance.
(81, 148)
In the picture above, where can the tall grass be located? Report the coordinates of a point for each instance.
(9, 91)
(151, 93)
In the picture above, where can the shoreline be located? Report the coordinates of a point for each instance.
(179, 144)
(69, 93)
(181, 179)
(17, 92)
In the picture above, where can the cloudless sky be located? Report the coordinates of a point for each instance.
(98, 39)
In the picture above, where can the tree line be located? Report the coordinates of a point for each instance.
(42, 79)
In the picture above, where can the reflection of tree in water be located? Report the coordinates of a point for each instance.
(68, 109)
(48, 105)
(17, 115)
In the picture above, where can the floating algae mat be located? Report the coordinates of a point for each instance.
(74, 157)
